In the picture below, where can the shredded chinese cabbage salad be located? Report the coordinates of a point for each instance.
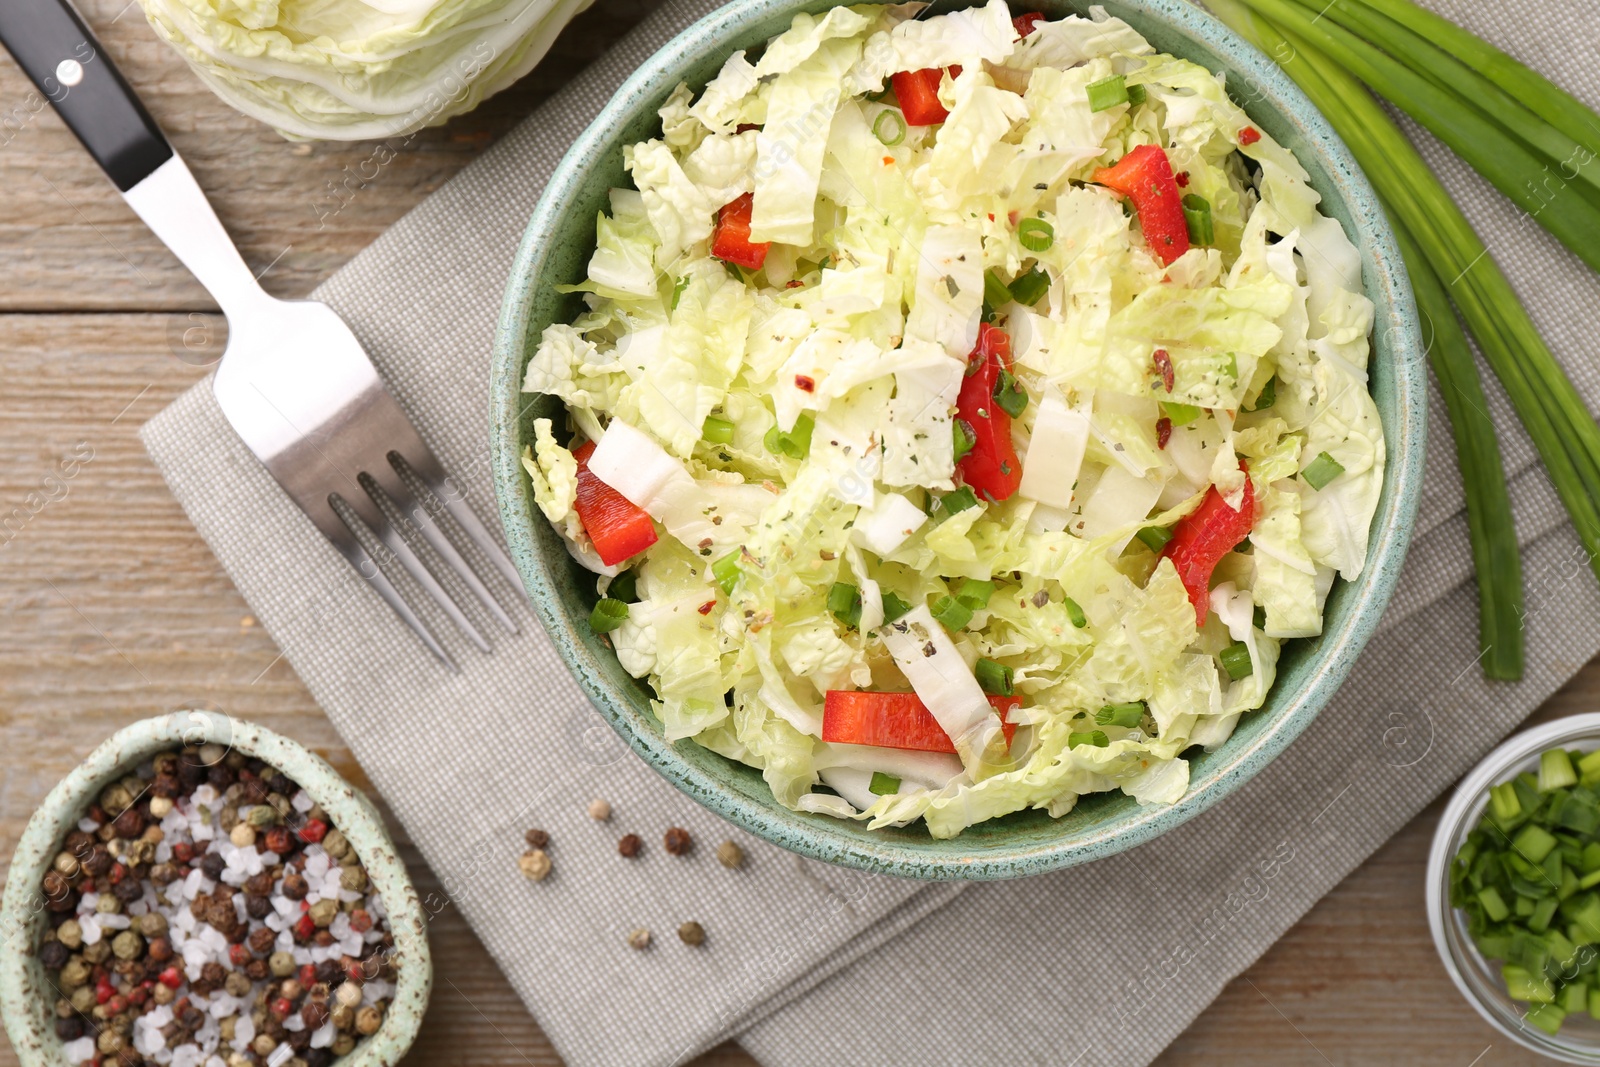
(943, 477)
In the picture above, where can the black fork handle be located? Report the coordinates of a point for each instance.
(49, 40)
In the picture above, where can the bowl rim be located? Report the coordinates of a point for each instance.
(25, 1011)
(1470, 797)
(1338, 647)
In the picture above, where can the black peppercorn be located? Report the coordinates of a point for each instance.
(295, 886)
(130, 824)
(257, 907)
(98, 861)
(537, 838)
(677, 841)
(70, 1028)
(629, 845)
(129, 889)
(318, 1057)
(212, 864)
(219, 776)
(280, 784)
(53, 956)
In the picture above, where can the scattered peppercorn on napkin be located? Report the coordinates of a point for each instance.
(1101, 964)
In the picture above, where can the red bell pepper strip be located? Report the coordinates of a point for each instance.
(894, 720)
(918, 93)
(991, 467)
(1203, 537)
(731, 240)
(1145, 176)
(619, 528)
(1025, 24)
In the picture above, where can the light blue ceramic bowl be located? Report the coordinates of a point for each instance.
(556, 249)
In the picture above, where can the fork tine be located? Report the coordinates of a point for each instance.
(405, 500)
(389, 534)
(429, 469)
(345, 541)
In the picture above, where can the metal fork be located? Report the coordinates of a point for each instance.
(294, 382)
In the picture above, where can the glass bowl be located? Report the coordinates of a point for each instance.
(1477, 977)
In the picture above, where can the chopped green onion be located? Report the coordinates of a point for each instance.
(1546, 1017)
(1236, 660)
(1180, 414)
(994, 677)
(1093, 738)
(716, 431)
(1074, 612)
(893, 607)
(975, 594)
(883, 785)
(996, 293)
(1503, 802)
(844, 604)
(951, 613)
(607, 615)
(1258, 618)
(796, 444)
(1030, 287)
(1589, 767)
(889, 128)
(1156, 537)
(958, 500)
(1136, 94)
(1197, 213)
(1036, 235)
(1521, 985)
(1107, 93)
(1555, 771)
(1322, 470)
(962, 438)
(1128, 716)
(1268, 395)
(1533, 843)
(1493, 905)
(677, 291)
(624, 587)
(1010, 395)
(726, 571)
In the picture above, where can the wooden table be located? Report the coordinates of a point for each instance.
(112, 608)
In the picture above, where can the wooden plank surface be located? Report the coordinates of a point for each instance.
(112, 609)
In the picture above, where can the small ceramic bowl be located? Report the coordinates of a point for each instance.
(1478, 978)
(555, 251)
(27, 998)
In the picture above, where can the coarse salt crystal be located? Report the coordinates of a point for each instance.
(224, 1005)
(203, 831)
(340, 926)
(280, 1056)
(274, 922)
(375, 906)
(243, 1031)
(350, 944)
(213, 938)
(302, 801)
(294, 1023)
(83, 1048)
(285, 940)
(203, 795)
(186, 1056)
(284, 906)
(322, 1037)
(192, 884)
(114, 922)
(91, 930)
(316, 867)
(347, 895)
(88, 826)
(88, 902)
(302, 955)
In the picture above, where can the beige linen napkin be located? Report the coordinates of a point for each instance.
(1105, 963)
